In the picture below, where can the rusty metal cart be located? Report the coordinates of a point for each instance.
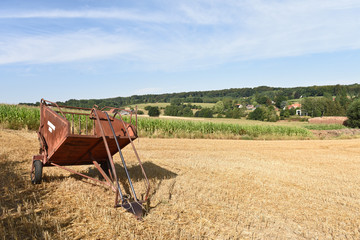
(66, 139)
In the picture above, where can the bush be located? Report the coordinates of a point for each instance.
(178, 110)
(154, 111)
(292, 111)
(264, 114)
(258, 114)
(187, 112)
(140, 112)
(235, 113)
(205, 112)
(173, 110)
(271, 115)
(353, 114)
(285, 113)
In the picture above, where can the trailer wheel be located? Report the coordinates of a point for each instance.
(105, 167)
(36, 176)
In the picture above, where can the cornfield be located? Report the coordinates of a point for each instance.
(19, 117)
(191, 129)
(81, 123)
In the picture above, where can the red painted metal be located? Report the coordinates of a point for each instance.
(66, 142)
(104, 175)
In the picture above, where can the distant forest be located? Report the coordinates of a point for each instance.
(236, 94)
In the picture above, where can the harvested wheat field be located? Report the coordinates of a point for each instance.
(201, 189)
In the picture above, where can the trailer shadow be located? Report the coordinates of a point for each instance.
(152, 171)
(155, 174)
(21, 205)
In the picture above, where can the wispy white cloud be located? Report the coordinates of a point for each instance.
(214, 32)
(119, 14)
(82, 45)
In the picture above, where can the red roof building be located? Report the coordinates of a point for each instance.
(295, 105)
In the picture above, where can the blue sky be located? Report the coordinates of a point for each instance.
(82, 49)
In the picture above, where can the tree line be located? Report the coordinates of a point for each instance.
(261, 93)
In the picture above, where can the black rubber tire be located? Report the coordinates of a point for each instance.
(105, 167)
(38, 166)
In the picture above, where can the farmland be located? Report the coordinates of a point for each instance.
(201, 189)
(19, 117)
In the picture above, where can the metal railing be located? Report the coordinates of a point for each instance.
(81, 123)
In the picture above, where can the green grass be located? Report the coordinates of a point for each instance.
(324, 126)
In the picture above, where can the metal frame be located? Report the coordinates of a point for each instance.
(132, 203)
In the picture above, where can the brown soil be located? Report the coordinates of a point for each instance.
(328, 120)
(201, 189)
(347, 132)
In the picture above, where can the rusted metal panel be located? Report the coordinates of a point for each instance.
(54, 129)
(75, 149)
(117, 124)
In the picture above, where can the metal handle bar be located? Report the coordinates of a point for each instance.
(121, 156)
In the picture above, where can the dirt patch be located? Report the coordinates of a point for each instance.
(328, 120)
(336, 133)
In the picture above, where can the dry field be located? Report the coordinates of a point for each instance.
(328, 120)
(201, 189)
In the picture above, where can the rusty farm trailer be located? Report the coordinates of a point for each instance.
(83, 136)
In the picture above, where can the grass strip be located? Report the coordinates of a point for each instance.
(324, 126)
